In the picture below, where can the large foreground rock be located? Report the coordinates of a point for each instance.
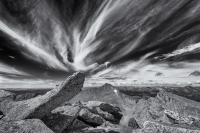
(79, 115)
(62, 118)
(24, 126)
(39, 106)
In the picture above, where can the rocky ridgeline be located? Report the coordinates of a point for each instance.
(61, 111)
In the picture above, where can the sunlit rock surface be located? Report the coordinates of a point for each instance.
(24, 126)
(105, 93)
(180, 109)
(39, 106)
(6, 100)
(5, 94)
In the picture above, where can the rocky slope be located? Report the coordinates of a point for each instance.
(103, 110)
(146, 92)
(106, 93)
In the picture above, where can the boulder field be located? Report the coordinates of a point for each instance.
(54, 112)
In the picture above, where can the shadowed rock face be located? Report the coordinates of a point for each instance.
(88, 117)
(24, 126)
(61, 118)
(39, 106)
(109, 112)
(89, 114)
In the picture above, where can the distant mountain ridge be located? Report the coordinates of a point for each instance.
(106, 93)
(159, 74)
(195, 73)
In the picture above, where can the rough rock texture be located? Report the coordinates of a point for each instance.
(26, 96)
(24, 126)
(80, 115)
(6, 94)
(141, 112)
(108, 128)
(180, 109)
(165, 113)
(156, 127)
(6, 101)
(61, 118)
(104, 114)
(132, 123)
(76, 127)
(90, 118)
(167, 108)
(109, 112)
(1, 115)
(38, 107)
(104, 93)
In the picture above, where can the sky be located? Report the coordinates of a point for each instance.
(43, 42)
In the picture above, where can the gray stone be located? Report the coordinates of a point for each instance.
(24, 126)
(61, 118)
(90, 118)
(109, 112)
(39, 106)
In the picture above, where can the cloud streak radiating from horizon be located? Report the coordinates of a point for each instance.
(49, 40)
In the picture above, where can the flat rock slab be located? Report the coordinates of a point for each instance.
(39, 106)
(24, 126)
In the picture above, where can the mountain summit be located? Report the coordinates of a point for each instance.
(195, 73)
(159, 74)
